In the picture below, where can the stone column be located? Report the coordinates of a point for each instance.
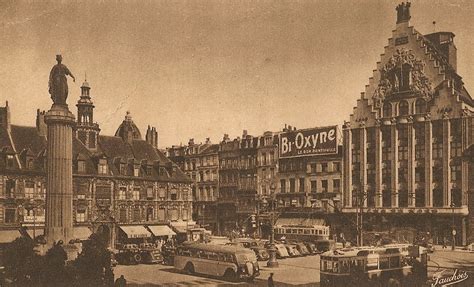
(347, 198)
(446, 160)
(411, 164)
(378, 166)
(394, 167)
(60, 122)
(363, 166)
(428, 163)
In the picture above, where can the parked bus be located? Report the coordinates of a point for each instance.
(230, 262)
(374, 266)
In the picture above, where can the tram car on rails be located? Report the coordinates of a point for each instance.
(400, 265)
(316, 234)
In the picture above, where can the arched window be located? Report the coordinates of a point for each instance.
(387, 110)
(420, 106)
(403, 108)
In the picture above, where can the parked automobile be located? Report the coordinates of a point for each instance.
(262, 253)
(312, 248)
(128, 254)
(301, 247)
(292, 250)
(281, 251)
(150, 253)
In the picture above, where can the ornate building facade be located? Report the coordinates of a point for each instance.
(403, 144)
(117, 180)
(200, 163)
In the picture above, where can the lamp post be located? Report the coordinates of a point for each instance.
(453, 229)
(272, 262)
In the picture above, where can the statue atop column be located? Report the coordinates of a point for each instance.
(58, 82)
(403, 12)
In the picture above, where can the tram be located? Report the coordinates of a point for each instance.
(400, 265)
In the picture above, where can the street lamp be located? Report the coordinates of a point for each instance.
(272, 262)
(453, 228)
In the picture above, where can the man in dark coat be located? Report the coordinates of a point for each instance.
(270, 280)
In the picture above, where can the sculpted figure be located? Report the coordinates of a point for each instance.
(58, 82)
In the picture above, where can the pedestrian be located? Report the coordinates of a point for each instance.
(121, 281)
(270, 280)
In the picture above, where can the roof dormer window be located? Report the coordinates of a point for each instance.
(81, 166)
(102, 166)
(10, 161)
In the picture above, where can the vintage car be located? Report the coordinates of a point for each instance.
(150, 254)
(260, 252)
(128, 254)
(292, 250)
(312, 248)
(301, 247)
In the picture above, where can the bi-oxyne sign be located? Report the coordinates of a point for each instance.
(308, 142)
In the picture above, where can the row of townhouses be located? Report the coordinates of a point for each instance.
(404, 162)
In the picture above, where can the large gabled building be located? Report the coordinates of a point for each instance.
(403, 144)
(120, 180)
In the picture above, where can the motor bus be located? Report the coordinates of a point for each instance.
(229, 262)
(374, 266)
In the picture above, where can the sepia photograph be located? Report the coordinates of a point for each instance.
(221, 143)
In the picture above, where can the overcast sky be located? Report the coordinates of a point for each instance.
(197, 69)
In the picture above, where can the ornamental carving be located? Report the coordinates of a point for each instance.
(402, 73)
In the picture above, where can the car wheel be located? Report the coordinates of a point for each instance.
(137, 258)
(230, 275)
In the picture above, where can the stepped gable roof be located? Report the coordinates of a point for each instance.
(27, 138)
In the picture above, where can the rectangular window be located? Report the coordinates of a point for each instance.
(162, 193)
(81, 216)
(136, 171)
(324, 167)
(313, 168)
(103, 192)
(136, 194)
(324, 185)
(336, 166)
(149, 193)
(10, 161)
(123, 215)
(102, 167)
(29, 189)
(336, 185)
(174, 195)
(456, 173)
(81, 166)
(282, 186)
(301, 187)
(314, 187)
(136, 215)
(122, 193)
(9, 215)
(10, 188)
(292, 185)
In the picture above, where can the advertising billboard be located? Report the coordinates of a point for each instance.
(308, 142)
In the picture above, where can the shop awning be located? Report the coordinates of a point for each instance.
(36, 232)
(7, 236)
(300, 222)
(82, 232)
(161, 230)
(182, 226)
(136, 231)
